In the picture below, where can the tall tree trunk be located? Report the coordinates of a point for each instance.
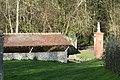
(8, 12)
(17, 16)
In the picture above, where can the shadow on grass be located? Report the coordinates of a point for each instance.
(39, 70)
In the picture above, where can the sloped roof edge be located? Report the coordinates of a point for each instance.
(34, 39)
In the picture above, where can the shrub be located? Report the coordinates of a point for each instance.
(112, 54)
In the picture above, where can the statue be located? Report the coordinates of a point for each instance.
(98, 28)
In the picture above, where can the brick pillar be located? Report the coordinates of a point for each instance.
(98, 44)
(1, 55)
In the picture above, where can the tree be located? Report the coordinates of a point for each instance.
(17, 15)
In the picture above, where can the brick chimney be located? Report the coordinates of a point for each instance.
(98, 43)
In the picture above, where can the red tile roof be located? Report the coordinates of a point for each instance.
(34, 39)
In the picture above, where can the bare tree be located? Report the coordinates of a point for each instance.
(17, 15)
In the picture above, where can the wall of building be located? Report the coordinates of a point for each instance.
(45, 56)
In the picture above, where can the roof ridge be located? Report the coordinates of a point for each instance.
(28, 33)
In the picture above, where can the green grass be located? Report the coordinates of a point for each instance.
(85, 54)
(40, 70)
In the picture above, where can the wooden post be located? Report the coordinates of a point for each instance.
(1, 55)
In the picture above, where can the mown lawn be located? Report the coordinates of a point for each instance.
(40, 70)
(85, 54)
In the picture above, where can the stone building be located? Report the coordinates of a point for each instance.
(40, 46)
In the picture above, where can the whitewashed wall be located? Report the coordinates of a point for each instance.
(46, 56)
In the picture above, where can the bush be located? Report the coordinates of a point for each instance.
(112, 54)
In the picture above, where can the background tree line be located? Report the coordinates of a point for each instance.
(44, 15)
(69, 17)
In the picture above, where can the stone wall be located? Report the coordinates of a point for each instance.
(46, 56)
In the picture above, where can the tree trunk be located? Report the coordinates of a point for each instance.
(17, 16)
(9, 19)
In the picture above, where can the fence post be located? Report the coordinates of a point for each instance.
(1, 55)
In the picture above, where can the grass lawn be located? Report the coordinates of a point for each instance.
(85, 54)
(40, 70)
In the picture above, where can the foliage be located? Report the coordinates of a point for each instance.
(77, 17)
(40, 70)
(112, 54)
(63, 16)
(112, 51)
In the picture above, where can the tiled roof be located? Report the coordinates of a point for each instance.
(34, 39)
